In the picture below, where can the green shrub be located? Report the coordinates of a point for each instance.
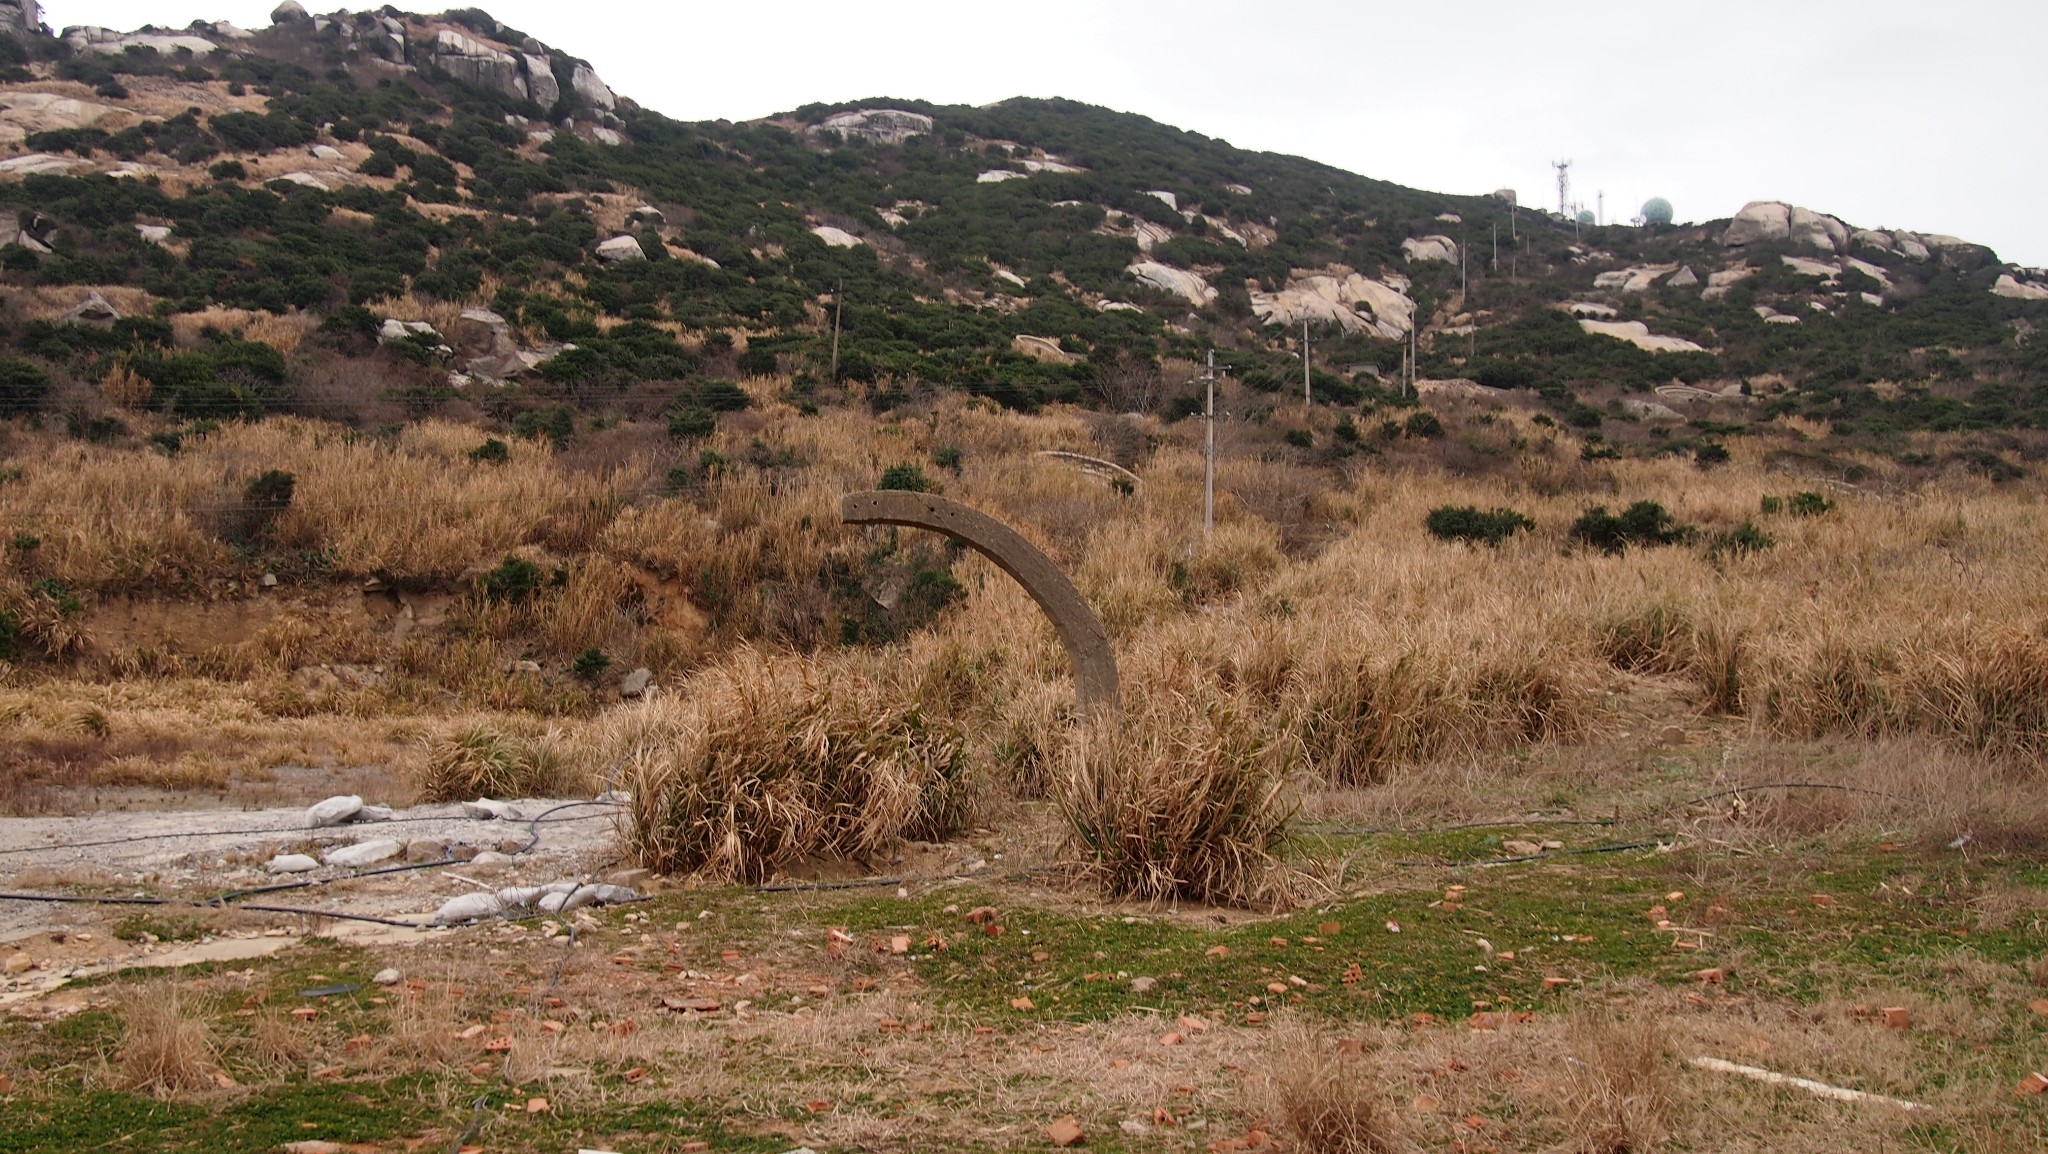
(1641, 524)
(1471, 524)
(1423, 425)
(22, 385)
(723, 396)
(946, 457)
(757, 361)
(1710, 454)
(1299, 438)
(262, 501)
(515, 579)
(492, 452)
(907, 478)
(1740, 541)
(590, 663)
(692, 423)
(1809, 504)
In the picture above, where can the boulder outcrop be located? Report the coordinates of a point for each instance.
(1638, 334)
(1633, 280)
(288, 11)
(1045, 349)
(471, 61)
(588, 88)
(1432, 247)
(1769, 220)
(874, 125)
(1179, 282)
(24, 113)
(1337, 299)
(622, 247)
(2011, 286)
(837, 237)
(107, 42)
(20, 18)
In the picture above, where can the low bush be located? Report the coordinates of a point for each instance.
(1641, 524)
(1471, 524)
(907, 478)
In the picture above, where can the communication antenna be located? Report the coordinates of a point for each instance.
(1308, 400)
(1564, 186)
(1600, 213)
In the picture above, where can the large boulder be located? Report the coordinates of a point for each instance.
(540, 80)
(622, 247)
(1764, 220)
(874, 125)
(589, 89)
(836, 237)
(1337, 299)
(481, 334)
(1638, 334)
(24, 113)
(1432, 247)
(1639, 279)
(474, 62)
(289, 11)
(1818, 230)
(21, 18)
(2010, 286)
(1179, 282)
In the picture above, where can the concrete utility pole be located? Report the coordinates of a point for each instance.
(1307, 398)
(838, 301)
(1209, 458)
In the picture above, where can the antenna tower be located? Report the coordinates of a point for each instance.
(1600, 198)
(1564, 186)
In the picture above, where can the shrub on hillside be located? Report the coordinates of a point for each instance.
(909, 479)
(1471, 524)
(763, 763)
(1641, 524)
(1187, 799)
(22, 386)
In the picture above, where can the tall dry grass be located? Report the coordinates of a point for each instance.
(759, 763)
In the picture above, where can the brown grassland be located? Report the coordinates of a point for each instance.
(1316, 705)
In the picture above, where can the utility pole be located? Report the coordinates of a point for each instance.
(1209, 458)
(1496, 246)
(1307, 398)
(838, 302)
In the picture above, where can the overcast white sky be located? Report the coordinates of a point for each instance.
(1921, 114)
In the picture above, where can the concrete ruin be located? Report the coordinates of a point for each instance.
(1080, 630)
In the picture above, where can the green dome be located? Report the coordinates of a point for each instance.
(1656, 211)
(1585, 216)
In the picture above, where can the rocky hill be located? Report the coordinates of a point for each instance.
(341, 214)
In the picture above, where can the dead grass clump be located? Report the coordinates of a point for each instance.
(763, 762)
(1617, 1094)
(1186, 796)
(164, 1050)
(1326, 1101)
(485, 762)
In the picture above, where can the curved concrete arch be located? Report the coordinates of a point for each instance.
(1095, 465)
(1095, 677)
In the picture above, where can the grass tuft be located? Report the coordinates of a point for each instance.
(164, 1050)
(485, 762)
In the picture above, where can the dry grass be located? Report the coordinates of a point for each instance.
(1186, 799)
(1329, 1098)
(760, 763)
(164, 1050)
(1618, 1094)
(484, 762)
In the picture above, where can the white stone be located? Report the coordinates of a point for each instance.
(289, 10)
(467, 908)
(1638, 334)
(1759, 220)
(1683, 278)
(394, 329)
(291, 863)
(1817, 230)
(153, 233)
(1874, 272)
(584, 81)
(875, 125)
(363, 853)
(492, 859)
(2008, 285)
(1912, 246)
(1806, 266)
(386, 977)
(1170, 200)
(24, 112)
(1009, 277)
(1148, 235)
(999, 175)
(37, 164)
(1872, 299)
(1179, 282)
(333, 811)
(1590, 309)
(1432, 247)
(1450, 218)
(1645, 410)
(540, 80)
(1334, 299)
(1049, 165)
(607, 136)
(1045, 349)
(837, 237)
(486, 809)
(635, 684)
(621, 248)
(1633, 280)
(1239, 189)
(306, 179)
(1718, 283)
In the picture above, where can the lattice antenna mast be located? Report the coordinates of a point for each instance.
(1564, 186)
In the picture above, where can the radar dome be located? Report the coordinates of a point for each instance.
(1656, 211)
(1586, 217)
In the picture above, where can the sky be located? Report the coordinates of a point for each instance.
(1887, 113)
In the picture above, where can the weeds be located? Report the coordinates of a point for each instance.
(1471, 524)
(1618, 1090)
(164, 1050)
(483, 762)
